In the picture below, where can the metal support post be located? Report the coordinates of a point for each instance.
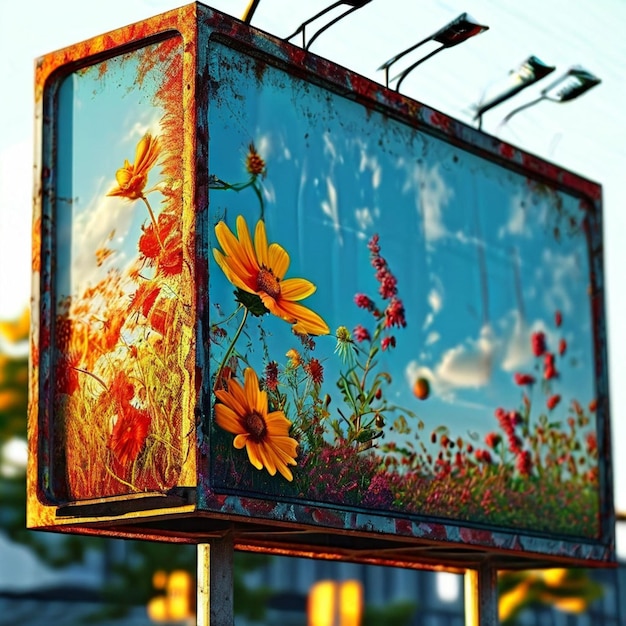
(481, 596)
(215, 606)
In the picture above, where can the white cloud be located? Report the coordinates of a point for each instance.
(433, 194)
(518, 222)
(468, 365)
(517, 350)
(331, 208)
(565, 271)
(435, 299)
(364, 218)
(432, 337)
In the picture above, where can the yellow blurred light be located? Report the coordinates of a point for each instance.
(555, 576)
(350, 603)
(159, 579)
(510, 600)
(571, 605)
(157, 609)
(179, 595)
(177, 603)
(16, 330)
(321, 603)
(332, 603)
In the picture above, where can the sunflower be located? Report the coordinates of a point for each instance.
(259, 269)
(133, 177)
(243, 412)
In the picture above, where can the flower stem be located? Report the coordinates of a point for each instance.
(154, 222)
(230, 348)
(80, 369)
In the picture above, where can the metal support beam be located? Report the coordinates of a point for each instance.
(481, 596)
(215, 605)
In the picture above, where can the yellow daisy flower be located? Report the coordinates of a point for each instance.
(243, 411)
(260, 269)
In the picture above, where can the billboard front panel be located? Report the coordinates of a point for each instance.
(452, 374)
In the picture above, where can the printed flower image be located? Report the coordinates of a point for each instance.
(133, 177)
(243, 411)
(258, 268)
(439, 393)
(124, 305)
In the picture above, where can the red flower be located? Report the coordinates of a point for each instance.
(315, 371)
(524, 463)
(558, 318)
(361, 333)
(523, 379)
(388, 283)
(394, 313)
(562, 347)
(364, 302)
(492, 439)
(129, 434)
(388, 342)
(538, 343)
(483, 456)
(592, 443)
(549, 370)
(552, 401)
(373, 245)
(271, 375)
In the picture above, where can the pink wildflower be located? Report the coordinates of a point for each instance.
(394, 313)
(360, 333)
(387, 342)
(364, 302)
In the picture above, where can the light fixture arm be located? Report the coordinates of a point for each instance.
(452, 34)
(520, 108)
(354, 6)
(387, 64)
(249, 12)
(409, 69)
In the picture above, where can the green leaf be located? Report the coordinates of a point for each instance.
(251, 301)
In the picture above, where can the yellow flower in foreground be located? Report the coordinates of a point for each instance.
(260, 269)
(133, 177)
(243, 412)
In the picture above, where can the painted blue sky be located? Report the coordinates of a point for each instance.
(473, 246)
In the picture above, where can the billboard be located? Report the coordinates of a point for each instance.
(275, 297)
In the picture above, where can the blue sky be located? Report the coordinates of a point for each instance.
(587, 136)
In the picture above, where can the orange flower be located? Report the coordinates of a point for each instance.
(129, 434)
(133, 177)
(243, 411)
(260, 269)
(131, 426)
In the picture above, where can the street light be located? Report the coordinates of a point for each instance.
(354, 4)
(528, 73)
(575, 82)
(452, 34)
